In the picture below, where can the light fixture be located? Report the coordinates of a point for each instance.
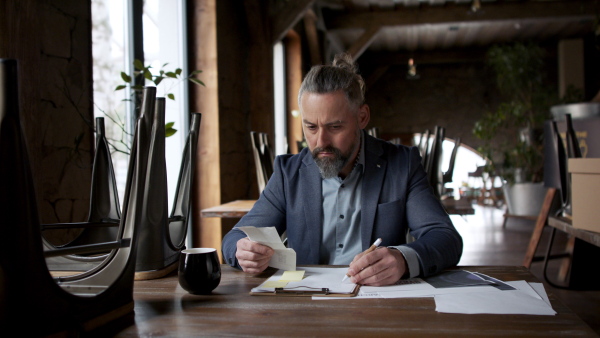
(475, 6)
(412, 70)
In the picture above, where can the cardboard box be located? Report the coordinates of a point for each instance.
(585, 190)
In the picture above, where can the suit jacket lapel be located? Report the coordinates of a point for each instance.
(311, 188)
(375, 168)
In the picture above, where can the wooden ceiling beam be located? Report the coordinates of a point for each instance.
(285, 18)
(363, 42)
(454, 13)
(314, 47)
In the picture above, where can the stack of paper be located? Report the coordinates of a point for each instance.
(308, 279)
(466, 292)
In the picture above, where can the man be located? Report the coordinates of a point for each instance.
(346, 190)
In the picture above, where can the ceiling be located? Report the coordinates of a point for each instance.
(409, 26)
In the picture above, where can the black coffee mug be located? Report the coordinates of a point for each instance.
(199, 270)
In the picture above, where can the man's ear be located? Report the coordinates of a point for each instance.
(364, 115)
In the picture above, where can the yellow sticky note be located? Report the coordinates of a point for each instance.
(292, 276)
(275, 284)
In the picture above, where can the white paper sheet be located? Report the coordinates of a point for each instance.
(315, 278)
(524, 300)
(283, 258)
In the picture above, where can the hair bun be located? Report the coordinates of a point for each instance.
(345, 61)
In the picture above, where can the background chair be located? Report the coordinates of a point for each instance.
(434, 162)
(373, 132)
(424, 146)
(263, 158)
(447, 175)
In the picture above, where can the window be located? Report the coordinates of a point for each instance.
(163, 23)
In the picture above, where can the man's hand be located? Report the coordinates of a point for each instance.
(253, 257)
(380, 267)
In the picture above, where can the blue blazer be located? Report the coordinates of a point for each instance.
(396, 198)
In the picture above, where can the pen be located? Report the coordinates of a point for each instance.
(371, 248)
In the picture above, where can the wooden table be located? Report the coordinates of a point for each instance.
(239, 208)
(162, 307)
(234, 209)
(458, 207)
(583, 254)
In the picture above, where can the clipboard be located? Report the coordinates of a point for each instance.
(290, 292)
(317, 281)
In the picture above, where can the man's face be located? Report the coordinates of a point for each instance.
(332, 131)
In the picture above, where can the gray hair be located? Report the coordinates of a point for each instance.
(341, 75)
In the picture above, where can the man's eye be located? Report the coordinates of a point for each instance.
(311, 127)
(335, 127)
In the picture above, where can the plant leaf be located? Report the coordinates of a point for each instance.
(171, 96)
(195, 72)
(138, 64)
(169, 125)
(119, 87)
(170, 132)
(158, 80)
(171, 75)
(148, 75)
(196, 81)
(125, 77)
(178, 71)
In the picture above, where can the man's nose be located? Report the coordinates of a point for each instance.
(323, 139)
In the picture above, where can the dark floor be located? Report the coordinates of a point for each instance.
(487, 243)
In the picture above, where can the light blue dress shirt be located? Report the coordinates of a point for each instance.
(340, 240)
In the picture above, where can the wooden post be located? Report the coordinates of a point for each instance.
(207, 187)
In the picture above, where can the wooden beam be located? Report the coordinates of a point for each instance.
(284, 19)
(314, 47)
(207, 181)
(260, 74)
(531, 10)
(465, 55)
(293, 51)
(364, 41)
(376, 75)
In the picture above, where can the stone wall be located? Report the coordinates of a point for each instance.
(453, 96)
(51, 40)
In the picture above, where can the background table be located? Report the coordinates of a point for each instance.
(162, 307)
(234, 209)
(239, 208)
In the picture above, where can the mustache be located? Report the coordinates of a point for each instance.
(328, 149)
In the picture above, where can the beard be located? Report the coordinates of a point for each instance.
(331, 166)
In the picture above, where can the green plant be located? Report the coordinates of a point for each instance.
(512, 134)
(144, 73)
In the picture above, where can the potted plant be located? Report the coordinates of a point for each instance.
(512, 134)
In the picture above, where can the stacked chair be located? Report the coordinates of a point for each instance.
(103, 217)
(114, 243)
(28, 291)
(162, 236)
(263, 158)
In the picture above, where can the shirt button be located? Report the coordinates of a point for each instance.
(342, 216)
(340, 245)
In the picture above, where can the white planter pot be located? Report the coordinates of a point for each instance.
(524, 199)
